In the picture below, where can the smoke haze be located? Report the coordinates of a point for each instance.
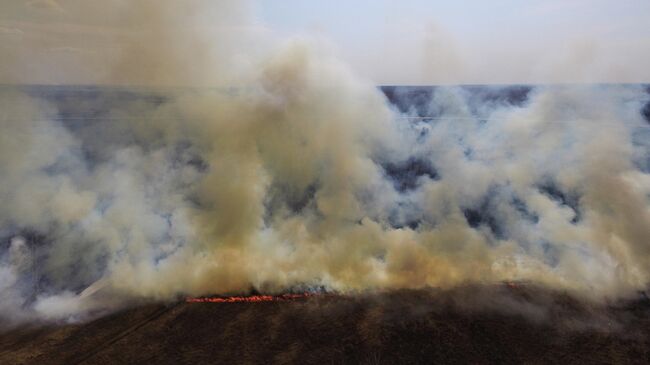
(304, 175)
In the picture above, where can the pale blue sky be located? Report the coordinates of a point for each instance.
(465, 19)
(535, 40)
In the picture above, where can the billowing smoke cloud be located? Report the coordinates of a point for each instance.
(305, 175)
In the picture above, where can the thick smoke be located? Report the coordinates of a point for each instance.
(304, 175)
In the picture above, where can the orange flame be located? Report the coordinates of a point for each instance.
(248, 299)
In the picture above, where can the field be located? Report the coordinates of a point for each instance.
(469, 325)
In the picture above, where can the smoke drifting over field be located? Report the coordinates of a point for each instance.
(305, 175)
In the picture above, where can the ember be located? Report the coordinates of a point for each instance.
(249, 299)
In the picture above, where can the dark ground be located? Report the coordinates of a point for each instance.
(470, 325)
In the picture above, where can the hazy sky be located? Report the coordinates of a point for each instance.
(387, 41)
(419, 41)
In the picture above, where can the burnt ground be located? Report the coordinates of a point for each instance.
(471, 325)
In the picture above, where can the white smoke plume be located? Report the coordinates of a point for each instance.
(303, 175)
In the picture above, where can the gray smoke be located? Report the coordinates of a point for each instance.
(304, 175)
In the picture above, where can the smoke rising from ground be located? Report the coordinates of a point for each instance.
(305, 176)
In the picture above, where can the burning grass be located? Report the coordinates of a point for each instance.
(250, 298)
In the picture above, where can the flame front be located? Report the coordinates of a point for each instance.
(248, 299)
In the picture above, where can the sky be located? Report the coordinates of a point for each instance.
(501, 41)
(385, 41)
